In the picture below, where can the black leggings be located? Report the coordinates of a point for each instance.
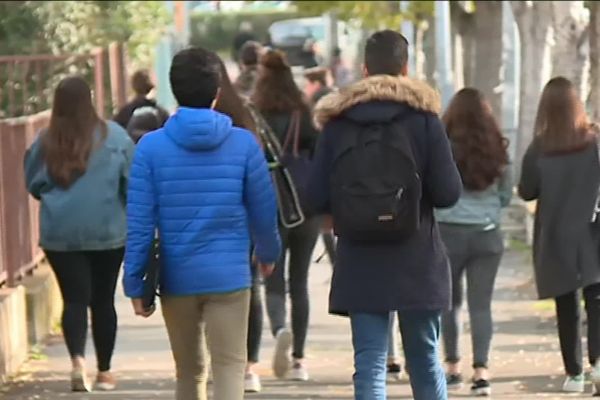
(300, 242)
(88, 279)
(568, 312)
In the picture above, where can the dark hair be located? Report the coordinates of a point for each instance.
(275, 89)
(386, 53)
(69, 141)
(478, 145)
(195, 77)
(230, 103)
(316, 74)
(141, 82)
(249, 53)
(561, 124)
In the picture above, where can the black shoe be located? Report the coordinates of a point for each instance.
(394, 371)
(481, 388)
(454, 381)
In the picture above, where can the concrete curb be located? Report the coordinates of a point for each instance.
(43, 302)
(13, 331)
(28, 314)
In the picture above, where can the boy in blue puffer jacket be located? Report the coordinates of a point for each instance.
(204, 185)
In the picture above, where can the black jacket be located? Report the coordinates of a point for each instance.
(381, 277)
(279, 123)
(126, 112)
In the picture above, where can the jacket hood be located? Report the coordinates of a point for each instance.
(198, 128)
(413, 93)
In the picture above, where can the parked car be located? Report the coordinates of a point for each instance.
(306, 40)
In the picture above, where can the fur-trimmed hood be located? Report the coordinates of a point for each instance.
(416, 94)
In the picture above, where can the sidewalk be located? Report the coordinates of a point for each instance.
(526, 360)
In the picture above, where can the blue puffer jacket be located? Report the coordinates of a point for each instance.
(205, 186)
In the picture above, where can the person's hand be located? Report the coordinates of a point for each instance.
(266, 269)
(138, 308)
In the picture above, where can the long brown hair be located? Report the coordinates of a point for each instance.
(231, 104)
(68, 143)
(561, 124)
(275, 89)
(478, 145)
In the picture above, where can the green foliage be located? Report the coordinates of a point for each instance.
(28, 27)
(80, 26)
(215, 31)
(20, 29)
(70, 27)
(368, 14)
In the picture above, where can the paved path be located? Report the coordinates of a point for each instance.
(526, 359)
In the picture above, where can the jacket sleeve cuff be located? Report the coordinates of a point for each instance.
(134, 288)
(267, 255)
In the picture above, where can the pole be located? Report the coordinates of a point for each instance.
(408, 31)
(182, 22)
(443, 48)
(510, 86)
(331, 36)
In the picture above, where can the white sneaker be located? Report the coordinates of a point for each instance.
(79, 380)
(595, 378)
(299, 372)
(574, 384)
(281, 359)
(105, 382)
(595, 373)
(252, 383)
(105, 386)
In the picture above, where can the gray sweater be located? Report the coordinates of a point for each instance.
(565, 248)
(480, 207)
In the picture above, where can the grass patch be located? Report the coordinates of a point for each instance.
(544, 305)
(519, 245)
(37, 353)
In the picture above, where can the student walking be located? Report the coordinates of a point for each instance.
(249, 55)
(230, 104)
(280, 101)
(204, 185)
(471, 229)
(78, 169)
(316, 88)
(142, 87)
(561, 171)
(383, 163)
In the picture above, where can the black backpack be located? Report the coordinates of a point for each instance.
(375, 185)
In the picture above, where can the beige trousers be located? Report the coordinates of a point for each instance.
(218, 322)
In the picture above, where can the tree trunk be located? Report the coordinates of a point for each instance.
(570, 52)
(487, 75)
(463, 44)
(420, 27)
(429, 51)
(534, 20)
(594, 37)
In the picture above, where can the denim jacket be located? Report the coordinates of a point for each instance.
(90, 213)
(480, 207)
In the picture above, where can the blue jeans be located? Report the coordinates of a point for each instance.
(420, 338)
